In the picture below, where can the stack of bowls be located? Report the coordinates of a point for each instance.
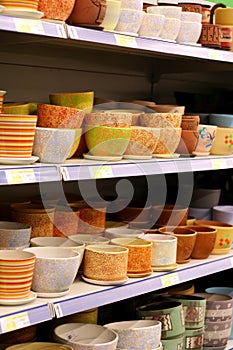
(14, 235)
(190, 29)
(223, 213)
(17, 134)
(130, 18)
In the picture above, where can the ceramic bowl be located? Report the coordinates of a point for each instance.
(163, 250)
(171, 29)
(66, 220)
(39, 346)
(107, 141)
(54, 145)
(135, 113)
(89, 239)
(189, 32)
(133, 335)
(14, 234)
(139, 256)
(186, 288)
(14, 286)
(105, 262)
(191, 16)
(2, 93)
(112, 118)
(161, 120)
(206, 138)
(168, 312)
(217, 333)
(142, 141)
(58, 242)
(223, 142)
(55, 268)
(222, 120)
(56, 10)
(162, 108)
(111, 16)
(218, 306)
(151, 25)
(79, 100)
(16, 108)
(205, 241)
(84, 336)
(168, 142)
(188, 142)
(200, 213)
(129, 21)
(134, 214)
(132, 4)
(194, 337)
(175, 343)
(16, 5)
(169, 215)
(205, 197)
(168, 11)
(93, 17)
(224, 235)
(111, 233)
(52, 116)
(223, 213)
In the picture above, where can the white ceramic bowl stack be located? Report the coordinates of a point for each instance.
(131, 16)
(190, 28)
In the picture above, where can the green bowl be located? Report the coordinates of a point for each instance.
(79, 100)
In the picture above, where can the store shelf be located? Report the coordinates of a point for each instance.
(13, 175)
(83, 295)
(81, 169)
(16, 317)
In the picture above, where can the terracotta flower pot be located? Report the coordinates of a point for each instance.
(88, 12)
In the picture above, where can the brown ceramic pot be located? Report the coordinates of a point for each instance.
(205, 241)
(190, 122)
(169, 215)
(56, 9)
(188, 142)
(191, 7)
(88, 12)
(65, 221)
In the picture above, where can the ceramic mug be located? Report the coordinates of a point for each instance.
(205, 241)
(206, 138)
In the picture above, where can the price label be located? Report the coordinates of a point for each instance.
(19, 176)
(101, 172)
(218, 163)
(28, 26)
(215, 55)
(11, 323)
(124, 40)
(58, 310)
(170, 280)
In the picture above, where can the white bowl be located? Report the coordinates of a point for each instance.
(223, 213)
(129, 21)
(122, 232)
(168, 11)
(170, 29)
(191, 16)
(189, 32)
(86, 336)
(151, 25)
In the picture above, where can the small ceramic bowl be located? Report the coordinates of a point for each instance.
(170, 29)
(79, 100)
(168, 142)
(129, 21)
(223, 213)
(55, 268)
(205, 197)
(206, 138)
(54, 145)
(105, 262)
(16, 108)
(205, 241)
(161, 120)
(111, 233)
(135, 334)
(189, 32)
(200, 213)
(89, 239)
(151, 25)
(168, 11)
(222, 120)
(84, 336)
(142, 142)
(223, 142)
(113, 118)
(107, 141)
(14, 234)
(111, 16)
(52, 116)
(191, 16)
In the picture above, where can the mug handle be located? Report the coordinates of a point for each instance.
(212, 11)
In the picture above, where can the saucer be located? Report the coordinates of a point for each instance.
(128, 156)
(32, 296)
(166, 156)
(164, 268)
(18, 161)
(183, 261)
(22, 13)
(140, 274)
(201, 154)
(53, 295)
(105, 283)
(107, 158)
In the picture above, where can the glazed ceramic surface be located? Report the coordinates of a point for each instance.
(168, 11)
(79, 100)
(142, 141)
(161, 120)
(169, 215)
(112, 15)
(188, 142)
(129, 21)
(89, 239)
(132, 4)
(206, 138)
(190, 122)
(66, 220)
(217, 333)
(223, 142)
(52, 116)
(191, 16)
(200, 213)
(151, 25)
(14, 234)
(189, 32)
(169, 139)
(137, 334)
(205, 241)
(83, 336)
(223, 213)
(218, 306)
(121, 232)
(175, 343)
(88, 13)
(55, 268)
(2, 93)
(194, 338)
(161, 108)
(56, 9)
(16, 108)
(170, 29)
(109, 118)
(222, 120)
(25, 5)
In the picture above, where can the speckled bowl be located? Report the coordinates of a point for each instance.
(170, 29)
(56, 9)
(113, 118)
(189, 32)
(55, 268)
(53, 145)
(105, 262)
(129, 21)
(142, 141)
(133, 335)
(84, 336)
(161, 120)
(168, 140)
(52, 116)
(79, 100)
(14, 234)
(151, 25)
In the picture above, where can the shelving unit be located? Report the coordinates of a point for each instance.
(37, 57)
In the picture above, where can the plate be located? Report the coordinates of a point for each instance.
(32, 296)
(107, 158)
(18, 161)
(140, 274)
(53, 295)
(22, 13)
(105, 283)
(167, 156)
(164, 268)
(128, 156)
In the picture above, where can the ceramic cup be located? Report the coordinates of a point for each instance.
(223, 142)
(170, 29)
(175, 343)
(168, 11)
(194, 338)
(188, 142)
(169, 215)
(189, 32)
(169, 313)
(206, 138)
(129, 21)
(205, 241)
(163, 251)
(151, 25)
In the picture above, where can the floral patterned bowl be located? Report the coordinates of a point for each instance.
(206, 138)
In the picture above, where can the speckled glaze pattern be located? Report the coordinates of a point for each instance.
(151, 25)
(169, 139)
(65, 222)
(129, 21)
(206, 138)
(132, 4)
(14, 234)
(52, 116)
(189, 32)
(56, 9)
(161, 120)
(142, 141)
(170, 29)
(79, 100)
(107, 141)
(108, 118)
(217, 333)
(92, 220)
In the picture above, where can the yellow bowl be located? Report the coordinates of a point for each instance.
(223, 142)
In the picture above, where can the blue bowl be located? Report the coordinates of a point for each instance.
(225, 120)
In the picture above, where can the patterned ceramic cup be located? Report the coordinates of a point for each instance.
(194, 338)
(223, 142)
(205, 140)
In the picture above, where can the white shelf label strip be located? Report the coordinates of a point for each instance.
(13, 322)
(19, 176)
